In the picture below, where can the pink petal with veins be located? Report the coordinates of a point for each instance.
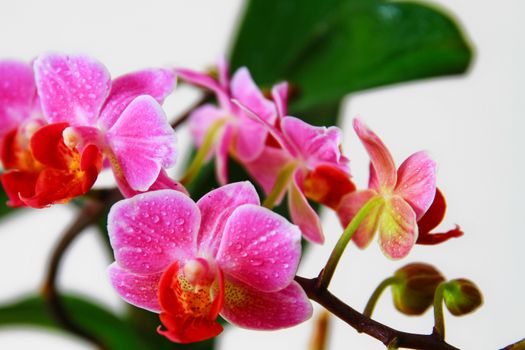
(253, 309)
(151, 230)
(158, 83)
(17, 93)
(303, 215)
(163, 182)
(259, 248)
(380, 157)
(138, 290)
(416, 182)
(397, 228)
(350, 205)
(71, 88)
(143, 142)
(216, 207)
(250, 138)
(244, 89)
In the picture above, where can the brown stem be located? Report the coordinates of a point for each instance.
(92, 210)
(367, 325)
(206, 97)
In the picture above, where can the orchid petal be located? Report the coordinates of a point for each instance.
(259, 248)
(17, 185)
(17, 93)
(143, 142)
(216, 207)
(149, 231)
(265, 168)
(223, 70)
(244, 89)
(254, 309)
(350, 206)
(380, 157)
(71, 88)
(397, 228)
(201, 119)
(303, 215)
(205, 81)
(221, 159)
(416, 182)
(280, 98)
(136, 289)
(163, 182)
(157, 83)
(250, 139)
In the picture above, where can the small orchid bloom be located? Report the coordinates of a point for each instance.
(232, 130)
(192, 261)
(307, 162)
(407, 194)
(122, 118)
(40, 169)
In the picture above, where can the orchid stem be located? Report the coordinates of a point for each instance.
(439, 320)
(200, 157)
(283, 180)
(328, 272)
(369, 309)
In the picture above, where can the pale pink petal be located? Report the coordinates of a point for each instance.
(136, 289)
(416, 182)
(143, 142)
(249, 308)
(202, 119)
(216, 207)
(317, 145)
(158, 83)
(379, 155)
(71, 88)
(250, 140)
(248, 94)
(397, 228)
(303, 215)
(221, 158)
(259, 248)
(265, 168)
(280, 98)
(151, 230)
(350, 205)
(205, 81)
(17, 93)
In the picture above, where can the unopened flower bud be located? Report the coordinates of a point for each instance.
(414, 289)
(462, 296)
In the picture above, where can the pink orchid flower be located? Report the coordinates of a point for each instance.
(306, 162)
(239, 135)
(192, 261)
(407, 194)
(122, 118)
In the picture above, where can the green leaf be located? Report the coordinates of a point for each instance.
(113, 331)
(328, 49)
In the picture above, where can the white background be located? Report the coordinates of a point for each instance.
(473, 126)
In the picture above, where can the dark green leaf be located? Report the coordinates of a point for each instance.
(330, 48)
(113, 331)
(4, 209)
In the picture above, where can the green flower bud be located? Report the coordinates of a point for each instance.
(414, 287)
(461, 296)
